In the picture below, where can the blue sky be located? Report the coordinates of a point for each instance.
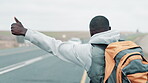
(74, 15)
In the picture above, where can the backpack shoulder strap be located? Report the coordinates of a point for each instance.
(111, 51)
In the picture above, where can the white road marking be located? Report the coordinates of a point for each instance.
(22, 64)
(84, 77)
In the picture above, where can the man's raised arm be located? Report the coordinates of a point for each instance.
(65, 51)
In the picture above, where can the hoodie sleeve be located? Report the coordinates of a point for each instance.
(65, 51)
(46, 43)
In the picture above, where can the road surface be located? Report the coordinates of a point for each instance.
(33, 65)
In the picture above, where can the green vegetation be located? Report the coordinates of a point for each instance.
(5, 33)
(134, 36)
(68, 34)
(146, 55)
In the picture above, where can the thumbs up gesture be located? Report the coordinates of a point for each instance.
(17, 28)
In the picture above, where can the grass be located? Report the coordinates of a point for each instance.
(134, 36)
(68, 34)
(5, 33)
(56, 34)
(146, 56)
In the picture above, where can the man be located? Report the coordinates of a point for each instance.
(92, 60)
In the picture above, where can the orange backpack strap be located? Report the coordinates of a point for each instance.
(111, 51)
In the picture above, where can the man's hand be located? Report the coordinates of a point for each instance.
(17, 28)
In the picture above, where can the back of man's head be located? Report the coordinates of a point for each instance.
(99, 24)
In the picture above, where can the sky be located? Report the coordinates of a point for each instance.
(74, 15)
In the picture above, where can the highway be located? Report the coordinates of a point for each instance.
(33, 65)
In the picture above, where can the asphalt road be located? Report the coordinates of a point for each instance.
(33, 65)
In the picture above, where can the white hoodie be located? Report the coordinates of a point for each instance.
(80, 54)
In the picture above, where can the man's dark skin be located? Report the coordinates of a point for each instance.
(18, 29)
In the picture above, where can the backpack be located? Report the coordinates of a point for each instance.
(124, 63)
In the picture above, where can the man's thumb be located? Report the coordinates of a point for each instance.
(16, 20)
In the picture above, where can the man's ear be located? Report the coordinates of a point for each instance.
(109, 28)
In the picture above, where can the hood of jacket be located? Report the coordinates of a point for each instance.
(106, 37)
